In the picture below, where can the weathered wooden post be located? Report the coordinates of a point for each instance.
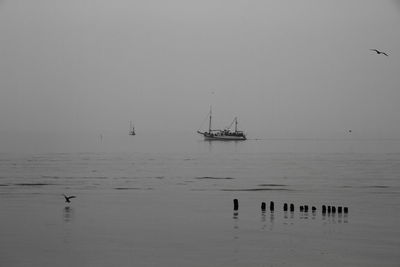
(313, 209)
(235, 204)
(263, 206)
(291, 207)
(285, 207)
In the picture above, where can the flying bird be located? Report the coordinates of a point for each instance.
(379, 52)
(67, 199)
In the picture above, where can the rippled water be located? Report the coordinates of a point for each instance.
(172, 205)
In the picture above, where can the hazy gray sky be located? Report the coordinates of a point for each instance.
(293, 68)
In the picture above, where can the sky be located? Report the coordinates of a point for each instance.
(285, 68)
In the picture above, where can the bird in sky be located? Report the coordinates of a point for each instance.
(379, 52)
(67, 198)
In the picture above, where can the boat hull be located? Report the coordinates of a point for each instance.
(211, 137)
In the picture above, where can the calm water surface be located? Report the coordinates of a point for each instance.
(143, 202)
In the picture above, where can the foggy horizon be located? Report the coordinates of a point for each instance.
(284, 69)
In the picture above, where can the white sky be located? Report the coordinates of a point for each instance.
(285, 68)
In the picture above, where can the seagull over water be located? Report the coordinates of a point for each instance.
(67, 199)
(379, 52)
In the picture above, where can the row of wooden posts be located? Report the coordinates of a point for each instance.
(303, 208)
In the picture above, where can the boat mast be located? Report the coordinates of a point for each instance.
(236, 123)
(131, 128)
(209, 123)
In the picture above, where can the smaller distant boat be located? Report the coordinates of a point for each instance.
(132, 129)
(223, 135)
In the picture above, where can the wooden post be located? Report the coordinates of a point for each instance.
(263, 206)
(285, 207)
(235, 204)
(291, 207)
(313, 209)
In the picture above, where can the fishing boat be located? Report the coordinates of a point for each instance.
(132, 129)
(224, 135)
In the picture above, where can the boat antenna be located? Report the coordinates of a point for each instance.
(236, 123)
(209, 124)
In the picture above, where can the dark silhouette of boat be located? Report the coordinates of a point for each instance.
(224, 135)
(132, 129)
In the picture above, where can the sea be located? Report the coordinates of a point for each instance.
(168, 200)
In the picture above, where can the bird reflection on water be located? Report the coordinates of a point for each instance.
(68, 214)
(235, 224)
